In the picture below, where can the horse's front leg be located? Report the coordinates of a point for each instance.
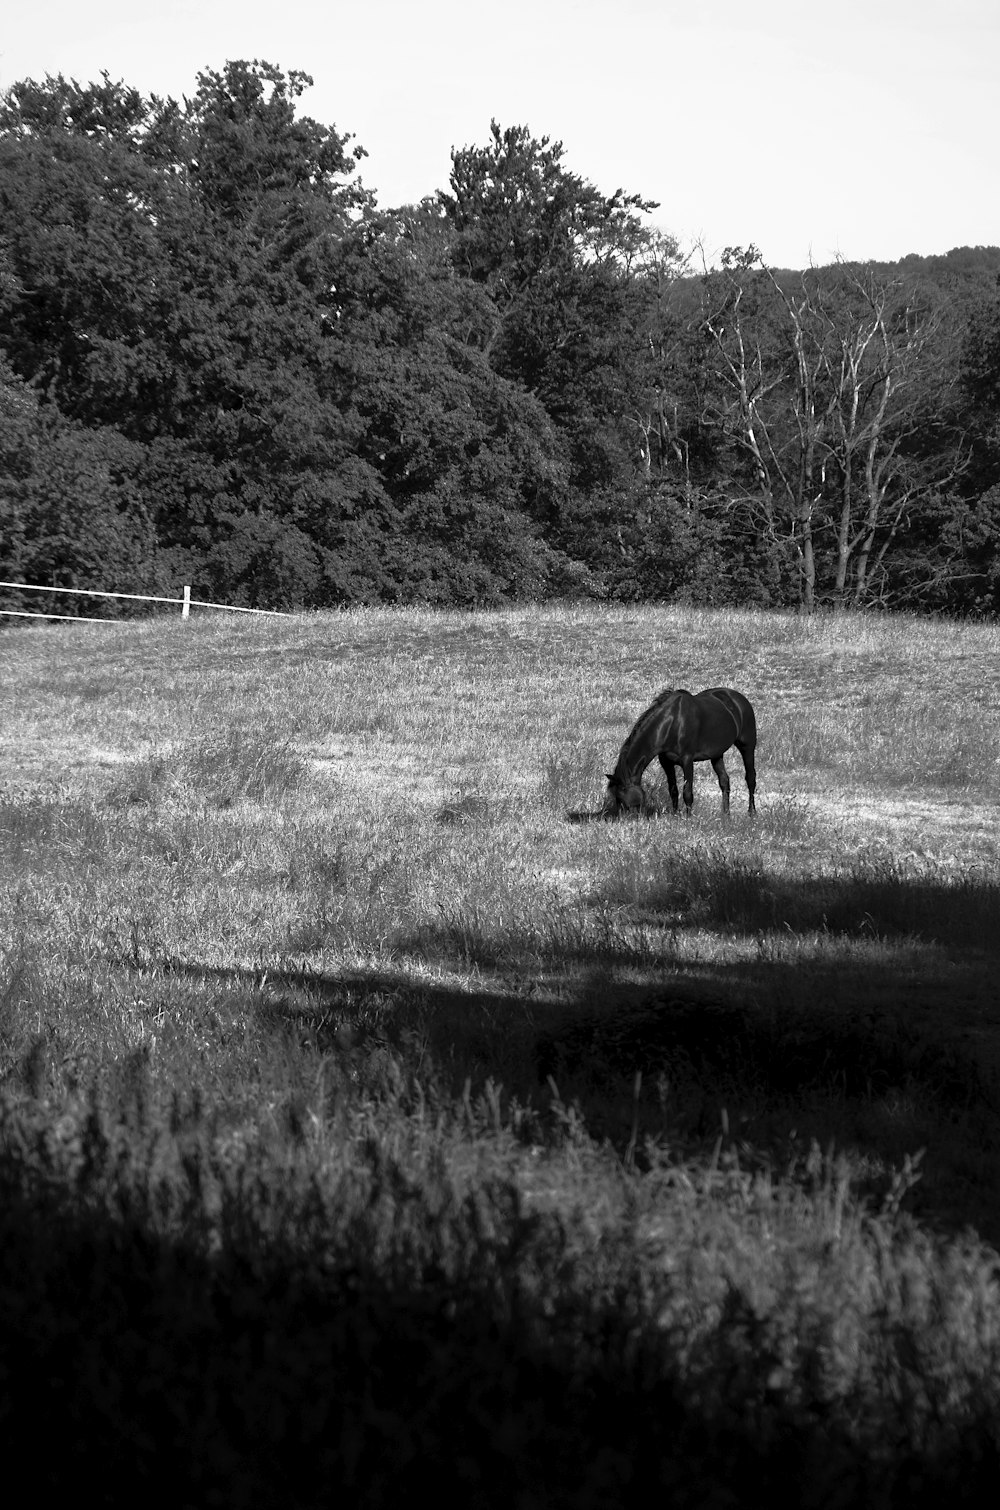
(719, 767)
(687, 766)
(671, 775)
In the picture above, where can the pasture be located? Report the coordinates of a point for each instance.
(374, 1118)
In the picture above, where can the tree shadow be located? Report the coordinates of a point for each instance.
(864, 1016)
(281, 1365)
(294, 1368)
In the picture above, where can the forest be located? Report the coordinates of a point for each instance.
(223, 364)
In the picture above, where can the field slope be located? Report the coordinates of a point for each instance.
(364, 1095)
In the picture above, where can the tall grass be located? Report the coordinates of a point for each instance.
(372, 1116)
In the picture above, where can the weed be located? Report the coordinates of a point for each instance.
(570, 777)
(244, 765)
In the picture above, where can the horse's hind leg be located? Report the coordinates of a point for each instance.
(719, 767)
(671, 775)
(751, 773)
(687, 766)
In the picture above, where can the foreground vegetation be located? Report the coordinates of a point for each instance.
(373, 1119)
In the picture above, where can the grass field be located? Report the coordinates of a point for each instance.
(373, 1119)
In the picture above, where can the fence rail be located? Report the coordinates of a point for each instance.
(79, 618)
(186, 602)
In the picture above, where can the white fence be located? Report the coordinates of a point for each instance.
(187, 603)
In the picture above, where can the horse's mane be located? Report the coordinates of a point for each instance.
(653, 711)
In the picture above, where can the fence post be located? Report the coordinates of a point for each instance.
(186, 610)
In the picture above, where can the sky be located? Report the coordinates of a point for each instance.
(862, 130)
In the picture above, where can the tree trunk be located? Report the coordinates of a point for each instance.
(808, 586)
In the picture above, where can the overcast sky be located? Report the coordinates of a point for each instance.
(866, 129)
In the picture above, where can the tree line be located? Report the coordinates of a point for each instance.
(222, 363)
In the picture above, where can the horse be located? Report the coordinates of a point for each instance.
(679, 728)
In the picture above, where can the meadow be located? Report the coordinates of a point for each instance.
(374, 1119)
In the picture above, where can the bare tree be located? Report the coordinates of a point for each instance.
(661, 411)
(878, 355)
(823, 385)
(769, 405)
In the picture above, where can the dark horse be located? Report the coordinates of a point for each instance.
(680, 728)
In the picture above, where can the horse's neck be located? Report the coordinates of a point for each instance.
(646, 739)
(637, 751)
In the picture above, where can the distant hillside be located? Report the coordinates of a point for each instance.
(963, 264)
(964, 272)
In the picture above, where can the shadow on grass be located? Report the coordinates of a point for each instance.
(863, 1011)
(282, 1363)
(879, 1051)
(726, 886)
(744, 899)
(261, 1347)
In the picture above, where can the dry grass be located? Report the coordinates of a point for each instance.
(312, 869)
(380, 790)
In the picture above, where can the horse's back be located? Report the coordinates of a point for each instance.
(667, 707)
(739, 709)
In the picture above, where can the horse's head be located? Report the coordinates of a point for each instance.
(623, 796)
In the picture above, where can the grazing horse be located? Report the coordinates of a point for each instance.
(680, 728)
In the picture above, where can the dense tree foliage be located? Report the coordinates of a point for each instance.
(222, 363)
